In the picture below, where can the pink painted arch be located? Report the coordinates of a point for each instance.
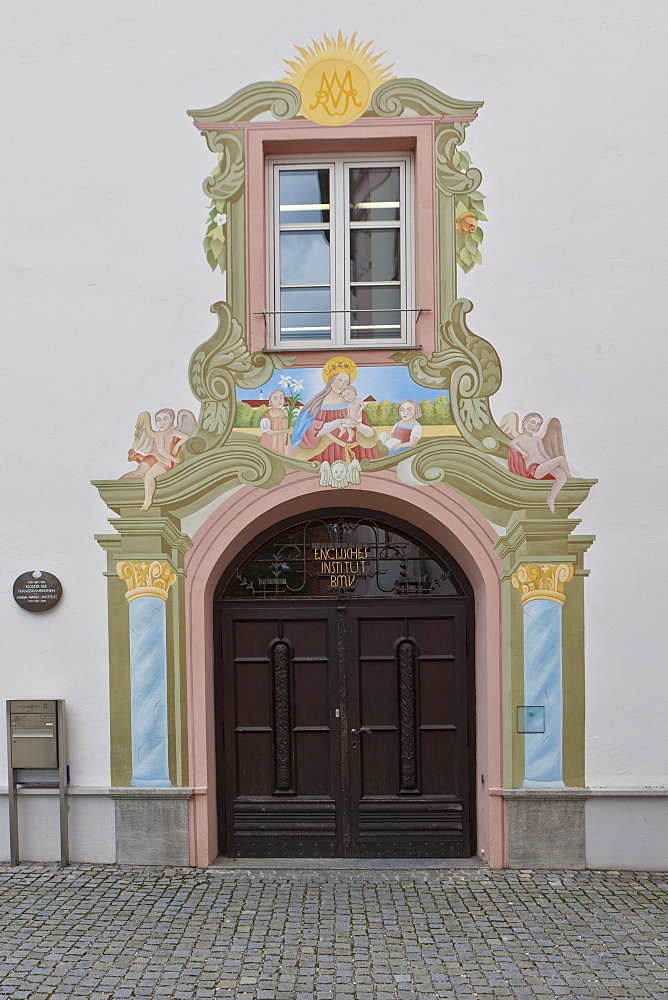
(439, 512)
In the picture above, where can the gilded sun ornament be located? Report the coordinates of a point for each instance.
(336, 78)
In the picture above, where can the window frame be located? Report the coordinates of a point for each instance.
(340, 228)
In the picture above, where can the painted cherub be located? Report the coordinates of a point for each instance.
(537, 454)
(354, 413)
(157, 450)
(340, 474)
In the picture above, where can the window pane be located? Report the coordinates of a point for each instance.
(375, 255)
(374, 194)
(311, 319)
(305, 257)
(304, 195)
(368, 321)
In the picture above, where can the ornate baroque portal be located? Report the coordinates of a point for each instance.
(333, 382)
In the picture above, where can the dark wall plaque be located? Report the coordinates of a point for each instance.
(37, 591)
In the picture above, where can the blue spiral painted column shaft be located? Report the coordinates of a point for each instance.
(541, 718)
(148, 586)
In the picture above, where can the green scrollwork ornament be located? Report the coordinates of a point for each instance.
(225, 186)
(450, 178)
(281, 100)
(396, 97)
(470, 369)
(216, 368)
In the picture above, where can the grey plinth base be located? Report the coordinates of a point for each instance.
(546, 829)
(152, 826)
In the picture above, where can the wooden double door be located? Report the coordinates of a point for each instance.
(345, 728)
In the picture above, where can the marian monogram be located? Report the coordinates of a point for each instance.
(336, 79)
(336, 95)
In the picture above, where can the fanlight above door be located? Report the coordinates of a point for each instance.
(343, 557)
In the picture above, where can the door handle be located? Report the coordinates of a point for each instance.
(362, 729)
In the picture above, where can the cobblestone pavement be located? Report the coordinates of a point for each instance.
(126, 932)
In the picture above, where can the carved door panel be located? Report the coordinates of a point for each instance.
(280, 743)
(409, 752)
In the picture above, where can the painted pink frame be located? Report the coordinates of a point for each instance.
(366, 135)
(438, 511)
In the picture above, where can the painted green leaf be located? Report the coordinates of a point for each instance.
(477, 236)
(477, 257)
(481, 215)
(465, 255)
(219, 206)
(217, 235)
(213, 263)
(461, 207)
(471, 244)
(216, 250)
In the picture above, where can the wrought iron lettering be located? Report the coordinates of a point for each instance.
(360, 558)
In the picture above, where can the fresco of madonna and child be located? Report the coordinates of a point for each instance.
(332, 425)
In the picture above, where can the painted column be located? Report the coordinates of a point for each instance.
(148, 585)
(541, 588)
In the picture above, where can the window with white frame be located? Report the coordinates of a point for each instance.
(340, 268)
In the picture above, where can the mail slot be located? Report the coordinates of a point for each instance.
(33, 733)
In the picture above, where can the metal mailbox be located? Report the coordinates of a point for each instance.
(36, 743)
(33, 732)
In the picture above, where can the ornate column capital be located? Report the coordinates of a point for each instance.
(146, 579)
(542, 581)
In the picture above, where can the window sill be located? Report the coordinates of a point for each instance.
(342, 347)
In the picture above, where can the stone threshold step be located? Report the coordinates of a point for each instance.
(358, 864)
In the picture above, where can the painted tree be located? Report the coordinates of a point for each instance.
(244, 414)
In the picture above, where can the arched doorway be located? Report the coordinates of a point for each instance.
(344, 689)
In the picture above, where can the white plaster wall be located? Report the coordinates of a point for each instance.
(91, 827)
(105, 290)
(627, 833)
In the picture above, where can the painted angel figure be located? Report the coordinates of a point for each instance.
(535, 453)
(340, 474)
(156, 450)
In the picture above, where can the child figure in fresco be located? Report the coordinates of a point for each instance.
(407, 431)
(274, 425)
(536, 456)
(355, 411)
(157, 450)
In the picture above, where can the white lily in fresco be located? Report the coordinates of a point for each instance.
(220, 219)
(295, 385)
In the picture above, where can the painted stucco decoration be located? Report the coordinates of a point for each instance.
(336, 78)
(334, 82)
(537, 451)
(360, 414)
(157, 450)
(417, 413)
(259, 416)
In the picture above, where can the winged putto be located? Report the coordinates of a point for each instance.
(157, 449)
(536, 450)
(340, 474)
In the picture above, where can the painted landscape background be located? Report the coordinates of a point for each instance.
(436, 412)
(381, 388)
